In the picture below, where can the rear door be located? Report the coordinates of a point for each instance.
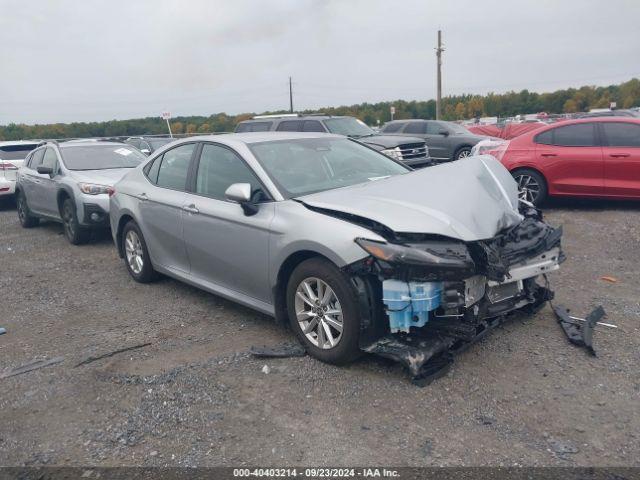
(160, 205)
(621, 158)
(571, 158)
(225, 246)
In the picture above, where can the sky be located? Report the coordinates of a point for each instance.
(94, 60)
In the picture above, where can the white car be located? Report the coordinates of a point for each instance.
(12, 155)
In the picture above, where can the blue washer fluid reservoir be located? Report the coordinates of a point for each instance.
(408, 303)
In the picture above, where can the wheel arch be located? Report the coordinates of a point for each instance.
(122, 221)
(61, 196)
(284, 272)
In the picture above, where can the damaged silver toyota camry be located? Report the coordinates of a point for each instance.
(354, 250)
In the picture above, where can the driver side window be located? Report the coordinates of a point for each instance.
(50, 158)
(218, 169)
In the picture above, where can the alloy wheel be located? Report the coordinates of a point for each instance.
(133, 252)
(319, 313)
(21, 209)
(528, 187)
(68, 221)
(464, 154)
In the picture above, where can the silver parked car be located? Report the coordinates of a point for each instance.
(353, 249)
(69, 182)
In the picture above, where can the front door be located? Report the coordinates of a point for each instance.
(225, 246)
(621, 159)
(438, 142)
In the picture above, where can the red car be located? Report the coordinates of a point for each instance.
(591, 157)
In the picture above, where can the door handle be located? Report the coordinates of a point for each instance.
(142, 196)
(191, 209)
(619, 155)
(548, 155)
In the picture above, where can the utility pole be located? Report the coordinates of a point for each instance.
(290, 96)
(439, 51)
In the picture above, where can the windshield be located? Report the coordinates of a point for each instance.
(308, 165)
(349, 126)
(101, 157)
(16, 152)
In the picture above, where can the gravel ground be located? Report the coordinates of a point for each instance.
(195, 397)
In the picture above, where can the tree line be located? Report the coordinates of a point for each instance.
(454, 107)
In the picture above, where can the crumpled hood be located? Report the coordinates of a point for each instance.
(470, 199)
(101, 177)
(389, 141)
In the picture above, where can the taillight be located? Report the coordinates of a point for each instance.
(111, 191)
(4, 165)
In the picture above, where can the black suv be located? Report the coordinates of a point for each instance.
(446, 140)
(411, 151)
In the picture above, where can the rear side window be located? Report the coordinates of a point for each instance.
(621, 134)
(392, 127)
(290, 126)
(50, 158)
(173, 167)
(578, 135)
(545, 138)
(253, 127)
(416, 127)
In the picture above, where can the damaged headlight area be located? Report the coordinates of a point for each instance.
(433, 296)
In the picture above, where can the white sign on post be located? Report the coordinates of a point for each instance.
(166, 116)
(392, 110)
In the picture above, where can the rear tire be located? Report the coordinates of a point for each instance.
(27, 219)
(532, 186)
(136, 255)
(76, 234)
(336, 318)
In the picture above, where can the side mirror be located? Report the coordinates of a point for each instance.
(241, 193)
(444, 132)
(45, 170)
(146, 151)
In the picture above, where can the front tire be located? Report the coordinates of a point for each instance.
(532, 186)
(463, 152)
(323, 311)
(27, 220)
(136, 255)
(76, 234)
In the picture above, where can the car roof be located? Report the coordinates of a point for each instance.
(89, 143)
(256, 137)
(294, 118)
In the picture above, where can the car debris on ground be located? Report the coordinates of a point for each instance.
(111, 354)
(579, 334)
(28, 367)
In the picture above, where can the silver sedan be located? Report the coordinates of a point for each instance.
(354, 250)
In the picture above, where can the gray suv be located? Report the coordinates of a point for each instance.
(446, 140)
(70, 182)
(411, 151)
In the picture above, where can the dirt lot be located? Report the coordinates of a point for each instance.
(195, 397)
